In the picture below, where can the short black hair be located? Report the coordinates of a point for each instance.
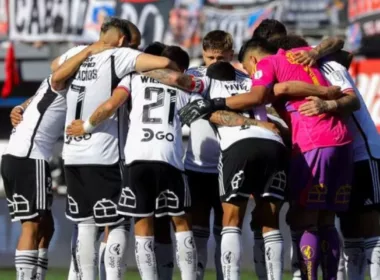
(178, 55)
(155, 48)
(218, 40)
(269, 28)
(257, 43)
(289, 42)
(222, 71)
(121, 24)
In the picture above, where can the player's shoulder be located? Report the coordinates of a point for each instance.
(240, 75)
(199, 71)
(330, 66)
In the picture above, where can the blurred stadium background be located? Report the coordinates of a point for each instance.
(34, 32)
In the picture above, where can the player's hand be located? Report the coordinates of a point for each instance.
(333, 93)
(200, 108)
(315, 106)
(270, 126)
(306, 58)
(16, 116)
(75, 128)
(98, 47)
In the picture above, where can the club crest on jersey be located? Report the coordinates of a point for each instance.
(337, 76)
(258, 75)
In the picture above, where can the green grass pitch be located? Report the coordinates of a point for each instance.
(61, 274)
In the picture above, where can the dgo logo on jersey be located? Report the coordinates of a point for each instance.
(85, 137)
(159, 135)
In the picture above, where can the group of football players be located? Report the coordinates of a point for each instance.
(291, 128)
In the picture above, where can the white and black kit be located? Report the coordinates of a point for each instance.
(93, 162)
(155, 183)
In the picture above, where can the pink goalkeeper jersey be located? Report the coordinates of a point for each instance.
(307, 132)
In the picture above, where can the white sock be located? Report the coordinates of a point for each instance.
(231, 250)
(295, 255)
(26, 264)
(86, 251)
(145, 257)
(217, 231)
(73, 271)
(101, 265)
(354, 258)
(115, 254)
(274, 252)
(259, 255)
(165, 260)
(372, 251)
(201, 236)
(42, 264)
(186, 255)
(341, 275)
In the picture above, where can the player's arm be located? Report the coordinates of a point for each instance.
(70, 66)
(16, 113)
(302, 89)
(345, 105)
(102, 113)
(326, 47)
(147, 62)
(178, 79)
(228, 118)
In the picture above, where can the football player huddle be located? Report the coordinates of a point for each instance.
(291, 128)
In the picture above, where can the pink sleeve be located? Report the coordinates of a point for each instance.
(265, 74)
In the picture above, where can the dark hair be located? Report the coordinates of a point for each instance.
(135, 33)
(289, 42)
(218, 40)
(222, 71)
(269, 28)
(257, 43)
(121, 24)
(155, 48)
(178, 55)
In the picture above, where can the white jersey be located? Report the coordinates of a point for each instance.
(366, 137)
(43, 121)
(93, 84)
(229, 135)
(203, 150)
(155, 132)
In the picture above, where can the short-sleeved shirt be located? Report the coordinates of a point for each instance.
(307, 132)
(366, 141)
(154, 132)
(92, 85)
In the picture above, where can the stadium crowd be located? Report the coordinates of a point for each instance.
(291, 128)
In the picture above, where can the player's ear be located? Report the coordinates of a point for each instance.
(122, 41)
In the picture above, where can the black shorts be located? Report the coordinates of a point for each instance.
(93, 192)
(27, 184)
(154, 188)
(365, 192)
(204, 190)
(253, 166)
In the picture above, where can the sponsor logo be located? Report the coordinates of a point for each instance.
(307, 252)
(85, 137)
(189, 242)
(148, 246)
(228, 257)
(159, 135)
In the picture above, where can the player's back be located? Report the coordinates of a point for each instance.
(308, 132)
(155, 132)
(92, 85)
(42, 124)
(229, 135)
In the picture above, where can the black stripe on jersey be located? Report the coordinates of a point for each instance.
(115, 80)
(327, 69)
(361, 131)
(42, 106)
